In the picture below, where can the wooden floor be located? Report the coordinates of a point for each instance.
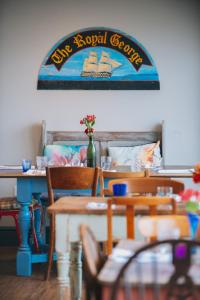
(14, 287)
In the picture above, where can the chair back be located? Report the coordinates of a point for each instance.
(161, 270)
(110, 175)
(91, 250)
(72, 178)
(147, 185)
(130, 203)
(67, 178)
(93, 260)
(153, 226)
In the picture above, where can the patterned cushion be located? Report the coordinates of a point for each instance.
(137, 157)
(66, 154)
(9, 203)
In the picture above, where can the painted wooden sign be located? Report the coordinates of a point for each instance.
(98, 58)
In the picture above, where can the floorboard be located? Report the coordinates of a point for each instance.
(14, 287)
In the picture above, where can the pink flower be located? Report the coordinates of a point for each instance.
(88, 121)
(196, 174)
(190, 194)
(196, 177)
(191, 199)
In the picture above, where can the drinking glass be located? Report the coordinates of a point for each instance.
(103, 160)
(106, 162)
(41, 162)
(26, 165)
(164, 191)
(120, 189)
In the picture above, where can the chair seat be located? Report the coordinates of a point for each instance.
(45, 199)
(9, 203)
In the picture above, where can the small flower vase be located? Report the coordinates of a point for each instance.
(91, 153)
(193, 219)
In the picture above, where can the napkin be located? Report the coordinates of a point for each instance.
(183, 171)
(98, 205)
(121, 255)
(35, 172)
(150, 256)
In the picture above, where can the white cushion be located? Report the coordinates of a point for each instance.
(137, 157)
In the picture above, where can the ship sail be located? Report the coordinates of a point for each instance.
(91, 64)
(114, 63)
(103, 68)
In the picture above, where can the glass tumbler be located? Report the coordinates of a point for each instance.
(26, 165)
(41, 162)
(164, 191)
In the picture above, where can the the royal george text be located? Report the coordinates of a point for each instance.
(114, 41)
(60, 54)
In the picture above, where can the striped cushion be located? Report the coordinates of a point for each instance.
(8, 203)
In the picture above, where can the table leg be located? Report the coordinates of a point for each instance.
(24, 265)
(24, 256)
(73, 260)
(65, 256)
(63, 269)
(76, 270)
(63, 251)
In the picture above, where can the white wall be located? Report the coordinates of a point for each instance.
(169, 30)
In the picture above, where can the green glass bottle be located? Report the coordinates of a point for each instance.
(91, 153)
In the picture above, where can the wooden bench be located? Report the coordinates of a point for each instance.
(103, 139)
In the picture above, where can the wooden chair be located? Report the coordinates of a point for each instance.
(106, 176)
(93, 260)
(130, 203)
(144, 278)
(110, 175)
(149, 226)
(68, 178)
(147, 185)
(9, 207)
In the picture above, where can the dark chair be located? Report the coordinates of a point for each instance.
(154, 279)
(68, 178)
(93, 260)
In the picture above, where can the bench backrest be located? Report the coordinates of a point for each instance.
(103, 139)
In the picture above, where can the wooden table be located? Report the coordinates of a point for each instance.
(172, 172)
(70, 212)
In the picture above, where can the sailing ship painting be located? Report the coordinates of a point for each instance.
(98, 58)
(99, 69)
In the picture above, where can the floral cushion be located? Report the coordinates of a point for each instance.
(73, 155)
(137, 157)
